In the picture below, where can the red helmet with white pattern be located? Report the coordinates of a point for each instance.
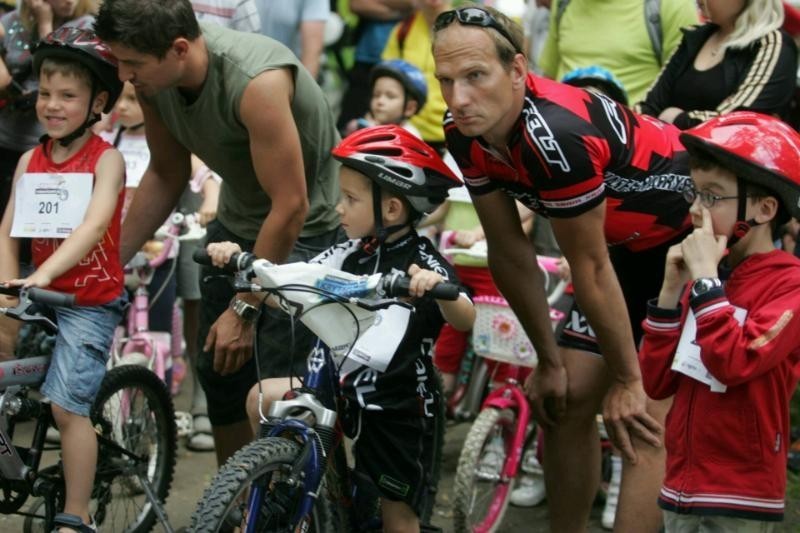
(758, 148)
(399, 162)
(79, 44)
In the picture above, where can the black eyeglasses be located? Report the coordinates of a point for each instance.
(707, 198)
(473, 16)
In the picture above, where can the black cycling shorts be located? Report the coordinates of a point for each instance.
(395, 454)
(640, 275)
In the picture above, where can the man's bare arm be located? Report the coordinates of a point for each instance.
(162, 184)
(312, 38)
(582, 240)
(515, 270)
(277, 159)
(382, 9)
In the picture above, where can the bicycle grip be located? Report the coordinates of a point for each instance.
(399, 285)
(52, 298)
(237, 262)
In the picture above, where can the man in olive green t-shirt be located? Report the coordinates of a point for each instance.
(245, 105)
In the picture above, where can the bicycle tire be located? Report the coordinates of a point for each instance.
(467, 483)
(134, 410)
(223, 502)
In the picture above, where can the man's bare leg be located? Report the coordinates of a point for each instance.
(228, 439)
(572, 447)
(638, 511)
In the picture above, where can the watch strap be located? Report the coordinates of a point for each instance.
(244, 310)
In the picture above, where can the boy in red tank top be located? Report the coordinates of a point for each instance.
(68, 198)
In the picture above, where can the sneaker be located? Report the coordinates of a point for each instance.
(612, 496)
(530, 464)
(529, 492)
(492, 460)
(201, 438)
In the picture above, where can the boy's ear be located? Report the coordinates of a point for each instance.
(99, 102)
(394, 210)
(767, 209)
(412, 107)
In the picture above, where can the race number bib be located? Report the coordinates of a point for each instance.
(687, 359)
(50, 206)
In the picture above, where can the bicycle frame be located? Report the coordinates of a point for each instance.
(508, 396)
(158, 347)
(309, 415)
(318, 440)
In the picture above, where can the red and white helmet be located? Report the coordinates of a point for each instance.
(757, 148)
(399, 162)
(79, 44)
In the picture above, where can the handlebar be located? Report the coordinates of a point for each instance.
(237, 262)
(41, 296)
(395, 284)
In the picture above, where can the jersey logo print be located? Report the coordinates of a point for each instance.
(540, 132)
(612, 113)
(95, 260)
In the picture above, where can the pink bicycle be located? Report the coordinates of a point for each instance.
(504, 427)
(136, 344)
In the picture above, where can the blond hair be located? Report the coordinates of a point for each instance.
(28, 20)
(757, 19)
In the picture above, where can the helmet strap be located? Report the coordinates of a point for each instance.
(742, 225)
(371, 244)
(91, 120)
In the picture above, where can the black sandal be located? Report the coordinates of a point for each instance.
(73, 522)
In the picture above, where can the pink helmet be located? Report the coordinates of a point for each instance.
(399, 162)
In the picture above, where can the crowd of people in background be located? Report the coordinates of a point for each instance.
(625, 134)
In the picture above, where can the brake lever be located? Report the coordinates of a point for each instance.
(22, 313)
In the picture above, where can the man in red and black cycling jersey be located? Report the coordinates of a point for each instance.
(611, 183)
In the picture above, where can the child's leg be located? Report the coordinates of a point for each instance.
(273, 389)
(448, 352)
(79, 456)
(398, 517)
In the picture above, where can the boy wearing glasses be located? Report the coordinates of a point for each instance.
(611, 182)
(723, 337)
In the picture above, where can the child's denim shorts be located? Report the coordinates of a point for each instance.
(80, 354)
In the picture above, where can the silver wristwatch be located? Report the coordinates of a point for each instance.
(703, 285)
(244, 310)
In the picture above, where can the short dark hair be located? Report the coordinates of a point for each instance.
(147, 26)
(71, 68)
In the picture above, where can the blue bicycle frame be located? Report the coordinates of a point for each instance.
(322, 380)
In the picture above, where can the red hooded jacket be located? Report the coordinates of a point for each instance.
(726, 452)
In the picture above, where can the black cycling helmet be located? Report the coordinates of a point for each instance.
(410, 77)
(82, 45)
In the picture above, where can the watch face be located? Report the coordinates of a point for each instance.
(703, 285)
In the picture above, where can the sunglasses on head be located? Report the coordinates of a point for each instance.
(473, 16)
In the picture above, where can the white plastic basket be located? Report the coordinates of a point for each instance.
(498, 335)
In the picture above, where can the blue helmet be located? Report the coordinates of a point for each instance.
(599, 77)
(412, 78)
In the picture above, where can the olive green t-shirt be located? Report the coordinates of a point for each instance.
(211, 128)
